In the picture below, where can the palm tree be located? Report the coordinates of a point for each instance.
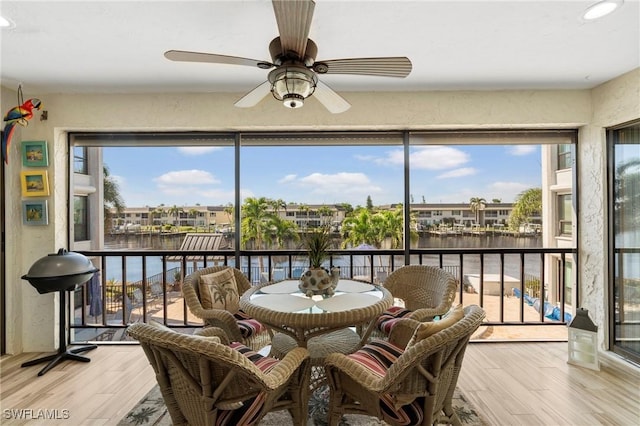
(175, 212)
(305, 208)
(476, 204)
(324, 211)
(150, 219)
(158, 212)
(282, 230)
(112, 198)
(257, 217)
(527, 203)
(359, 228)
(229, 210)
(193, 213)
(390, 224)
(278, 204)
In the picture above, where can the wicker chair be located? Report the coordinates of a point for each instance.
(204, 381)
(410, 386)
(237, 326)
(427, 291)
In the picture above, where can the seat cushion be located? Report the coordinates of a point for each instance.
(219, 290)
(388, 318)
(378, 356)
(249, 411)
(248, 326)
(408, 414)
(264, 363)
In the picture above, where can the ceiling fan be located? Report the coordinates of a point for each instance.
(295, 74)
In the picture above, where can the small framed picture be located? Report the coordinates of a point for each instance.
(35, 212)
(34, 183)
(34, 154)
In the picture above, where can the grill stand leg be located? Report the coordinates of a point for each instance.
(63, 353)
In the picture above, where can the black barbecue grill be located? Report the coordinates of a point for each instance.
(60, 272)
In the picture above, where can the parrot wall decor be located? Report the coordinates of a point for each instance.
(17, 115)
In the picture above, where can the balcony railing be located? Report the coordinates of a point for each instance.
(512, 284)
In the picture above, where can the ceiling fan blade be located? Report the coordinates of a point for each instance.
(185, 56)
(330, 99)
(294, 22)
(399, 66)
(253, 97)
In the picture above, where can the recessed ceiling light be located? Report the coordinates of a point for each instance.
(600, 9)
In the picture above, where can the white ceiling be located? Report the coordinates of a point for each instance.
(118, 46)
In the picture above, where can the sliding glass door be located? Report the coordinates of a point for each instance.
(624, 145)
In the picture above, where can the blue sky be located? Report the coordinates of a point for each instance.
(322, 174)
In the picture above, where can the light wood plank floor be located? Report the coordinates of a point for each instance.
(508, 383)
(532, 384)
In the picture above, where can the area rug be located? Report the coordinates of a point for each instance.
(151, 411)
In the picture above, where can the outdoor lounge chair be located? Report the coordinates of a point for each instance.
(235, 323)
(406, 379)
(206, 382)
(426, 292)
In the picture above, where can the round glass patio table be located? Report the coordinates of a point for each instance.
(284, 308)
(322, 324)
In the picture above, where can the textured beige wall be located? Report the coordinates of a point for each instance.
(31, 318)
(384, 110)
(614, 103)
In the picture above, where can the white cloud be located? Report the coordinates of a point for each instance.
(186, 177)
(437, 158)
(434, 157)
(456, 173)
(340, 184)
(192, 186)
(506, 191)
(288, 178)
(395, 158)
(197, 150)
(519, 150)
(340, 179)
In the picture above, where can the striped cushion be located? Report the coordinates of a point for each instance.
(378, 356)
(248, 326)
(387, 320)
(248, 413)
(264, 363)
(245, 415)
(410, 414)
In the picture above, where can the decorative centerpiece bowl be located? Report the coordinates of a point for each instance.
(318, 280)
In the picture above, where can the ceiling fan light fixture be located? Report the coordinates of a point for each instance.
(292, 85)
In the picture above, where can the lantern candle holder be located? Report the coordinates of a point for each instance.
(583, 341)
